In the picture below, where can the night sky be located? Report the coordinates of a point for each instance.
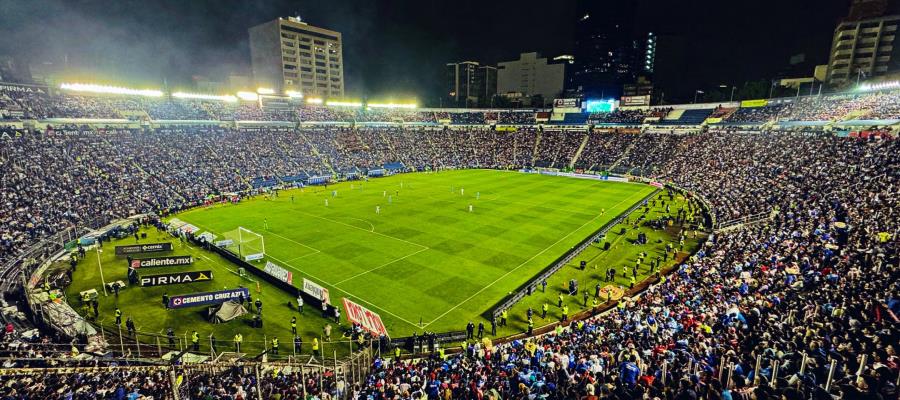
(398, 48)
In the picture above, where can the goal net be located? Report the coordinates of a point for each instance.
(247, 244)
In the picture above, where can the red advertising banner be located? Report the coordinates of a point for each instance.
(369, 320)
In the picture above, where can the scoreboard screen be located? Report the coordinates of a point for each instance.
(600, 106)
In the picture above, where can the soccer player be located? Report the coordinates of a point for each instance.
(470, 208)
(462, 191)
(326, 202)
(477, 195)
(390, 199)
(378, 210)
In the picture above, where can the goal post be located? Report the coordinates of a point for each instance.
(247, 244)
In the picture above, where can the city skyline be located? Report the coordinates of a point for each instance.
(399, 49)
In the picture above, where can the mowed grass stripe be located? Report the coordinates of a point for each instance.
(520, 217)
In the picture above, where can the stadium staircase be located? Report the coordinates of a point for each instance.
(390, 145)
(433, 151)
(537, 144)
(317, 154)
(578, 152)
(622, 157)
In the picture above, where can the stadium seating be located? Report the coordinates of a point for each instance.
(799, 303)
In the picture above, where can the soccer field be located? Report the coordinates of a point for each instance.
(425, 258)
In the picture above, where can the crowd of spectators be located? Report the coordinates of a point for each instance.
(759, 312)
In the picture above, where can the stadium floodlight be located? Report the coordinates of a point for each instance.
(294, 94)
(200, 96)
(313, 100)
(343, 103)
(249, 96)
(392, 105)
(868, 87)
(91, 88)
(265, 91)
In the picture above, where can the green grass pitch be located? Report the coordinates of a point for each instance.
(423, 263)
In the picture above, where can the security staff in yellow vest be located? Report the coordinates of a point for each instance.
(503, 316)
(118, 316)
(195, 339)
(315, 346)
(238, 338)
(565, 313)
(544, 309)
(294, 325)
(275, 345)
(530, 326)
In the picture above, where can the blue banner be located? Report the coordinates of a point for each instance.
(207, 298)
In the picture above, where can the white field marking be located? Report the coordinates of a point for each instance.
(342, 290)
(220, 265)
(371, 227)
(294, 241)
(303, 256)
(525, 262)
(361, 229)
(381, 266)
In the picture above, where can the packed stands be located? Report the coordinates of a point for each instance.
(801, 303)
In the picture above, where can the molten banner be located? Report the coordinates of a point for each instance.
(368, 320)
(278, 272)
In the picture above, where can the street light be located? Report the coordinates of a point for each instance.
(733, 88)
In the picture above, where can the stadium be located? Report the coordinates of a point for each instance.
(157, 243)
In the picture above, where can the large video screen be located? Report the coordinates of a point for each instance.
(600, 106)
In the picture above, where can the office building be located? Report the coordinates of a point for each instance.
(531, 75)
(863, 45)
(610, 50)
(470, 84)
(288, 54)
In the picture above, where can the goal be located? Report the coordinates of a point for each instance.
(247, 244)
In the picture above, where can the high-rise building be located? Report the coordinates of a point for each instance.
(288, 54)
(531, 75)
(610, 50)
(470, 84)
(864, 43)
(487, 89)
(462, 83)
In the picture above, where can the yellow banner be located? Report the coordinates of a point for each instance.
(713, 120)
(754, 103)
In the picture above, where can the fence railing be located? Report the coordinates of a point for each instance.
(560, 262)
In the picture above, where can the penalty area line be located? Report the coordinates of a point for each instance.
(343, 290)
